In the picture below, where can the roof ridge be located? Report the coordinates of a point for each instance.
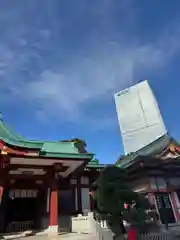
(79, 153)
(153, 142)
(45, 141)
(165, 139)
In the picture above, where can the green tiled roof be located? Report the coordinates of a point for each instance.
(59, 147)
(150, 150)
(95, 164)
(7, 133)
(47, 149)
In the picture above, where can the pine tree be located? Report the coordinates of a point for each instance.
(111, 195)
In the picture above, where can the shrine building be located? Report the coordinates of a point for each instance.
(41, 182)
(154, 171)
(44, 183)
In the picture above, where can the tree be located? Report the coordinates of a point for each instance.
(112, 192)
(80, 144)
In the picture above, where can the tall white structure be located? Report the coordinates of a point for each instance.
(139, 117)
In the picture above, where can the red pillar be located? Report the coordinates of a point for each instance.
(4, 160)
(174, 206)
(2, 210)
(3, 180)
(53, 209)
(132, 234)
(151, 198)
(3, 184)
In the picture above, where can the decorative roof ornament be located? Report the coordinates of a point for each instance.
(3, 152)
(172, 147)
(94, 161)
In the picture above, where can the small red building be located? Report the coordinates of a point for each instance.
(41, 181)
(154, 171)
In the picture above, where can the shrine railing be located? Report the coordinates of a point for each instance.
(20, 226)
(102, 232)
(158, 236)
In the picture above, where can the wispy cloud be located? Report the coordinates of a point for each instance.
(41, 69)
(96, 76)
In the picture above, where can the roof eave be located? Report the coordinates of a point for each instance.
(133, 156)
(69, 155)
(96, 166)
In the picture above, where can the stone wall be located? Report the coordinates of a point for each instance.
(81, 224)
(99, 229)
(87, 224)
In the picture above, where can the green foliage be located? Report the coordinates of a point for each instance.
(79, 143)
(112, 192)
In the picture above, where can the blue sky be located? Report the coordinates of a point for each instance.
(61, 62)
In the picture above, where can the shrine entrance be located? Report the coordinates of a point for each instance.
(22, 210)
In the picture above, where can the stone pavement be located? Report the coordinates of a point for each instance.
(70, 236)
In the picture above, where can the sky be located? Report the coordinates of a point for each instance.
(62, 61)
